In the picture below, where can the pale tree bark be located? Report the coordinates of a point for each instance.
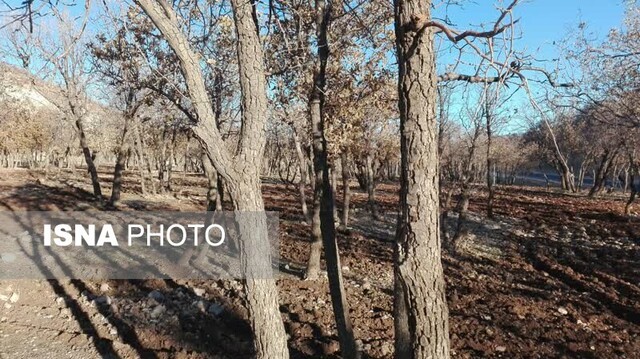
(371, 185)
(241, 170)
(420, 307)
(304, 175)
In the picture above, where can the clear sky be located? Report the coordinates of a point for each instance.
(541, 22)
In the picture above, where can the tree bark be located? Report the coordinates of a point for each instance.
(420, 307)
(346, 191)
(371, 185)
(490, 164)
(600, 175)
(323, 193)
(121, 157)
(240, 170)
(88, 158)
(304, 175)
(212, 183)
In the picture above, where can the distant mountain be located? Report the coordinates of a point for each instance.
(18, 84)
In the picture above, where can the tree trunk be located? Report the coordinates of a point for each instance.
(121, 157)
(323, 193)
(346, 191)
(490, 164)
(600, 176)
(633, 186)
(142, 161)
(270, 339)
(212, 183)
(88, 158)
(371, 186)
(334, 190)
(304, 176)
(240, 170)
(420, 307)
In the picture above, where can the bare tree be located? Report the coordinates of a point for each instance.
(241, 170)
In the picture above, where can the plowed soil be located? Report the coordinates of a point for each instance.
(552, 276)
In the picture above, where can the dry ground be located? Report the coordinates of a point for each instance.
(554, 276)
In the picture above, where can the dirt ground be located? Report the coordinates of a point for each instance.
(553, 276)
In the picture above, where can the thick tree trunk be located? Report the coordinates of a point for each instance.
(270, 339)
(212, 183)
(88, 158)
(420, 307)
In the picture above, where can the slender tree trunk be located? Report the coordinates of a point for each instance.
(323, 190)
(420, 307)
(346, 191)
(632, 197)
(304, 175)
(463, 204)
(88, 158)
(633, 172)
(121, 157)
(334, 190)
(141, 159)
(371, 186)
(490, 164)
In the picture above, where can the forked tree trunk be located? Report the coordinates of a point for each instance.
(240, 170)
(88, 158)
(420, 307)
(465, 193)
(600, 175)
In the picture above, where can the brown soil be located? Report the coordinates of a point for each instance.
(553, 276)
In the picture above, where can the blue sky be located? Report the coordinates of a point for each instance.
(541, 22)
